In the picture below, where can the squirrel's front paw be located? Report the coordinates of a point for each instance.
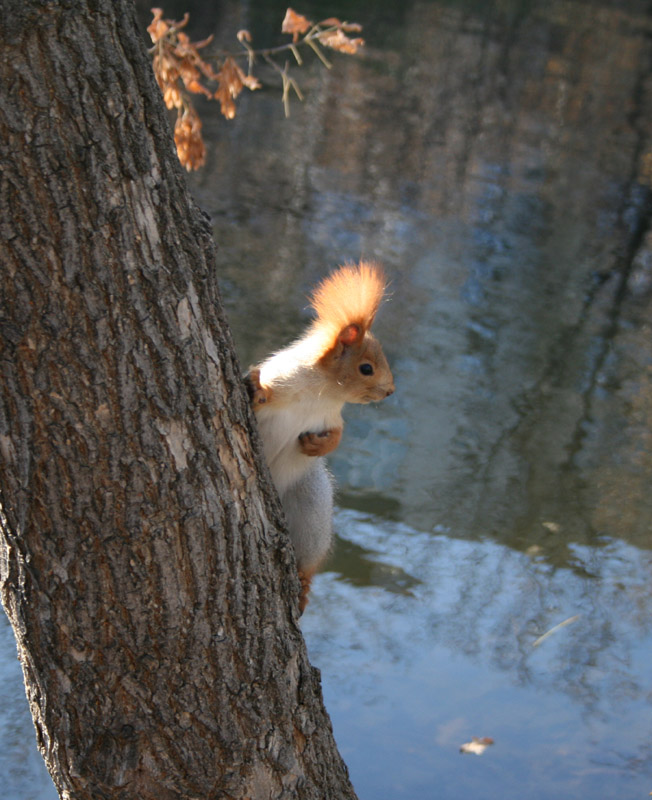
(319, 444)
(258, 395)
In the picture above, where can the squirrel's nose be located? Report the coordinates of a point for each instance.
(389, 391)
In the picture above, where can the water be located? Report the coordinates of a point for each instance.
(441, 645)
(24, 776)
(497, 159)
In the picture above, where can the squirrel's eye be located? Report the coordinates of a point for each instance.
(366, 369)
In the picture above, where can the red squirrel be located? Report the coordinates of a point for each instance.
(298, 395)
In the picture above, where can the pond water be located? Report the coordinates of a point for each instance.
(493, 568)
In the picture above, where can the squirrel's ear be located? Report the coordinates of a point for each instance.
(350, 335)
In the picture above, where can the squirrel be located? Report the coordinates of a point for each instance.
(298, 394)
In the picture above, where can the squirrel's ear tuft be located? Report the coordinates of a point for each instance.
(350, 295)
(350, 335)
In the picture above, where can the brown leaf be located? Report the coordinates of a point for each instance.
(178, 25)
(477, 745)
(157, 28)
(203, 43)
(206, 68)
(179, 69)
(195, 87)
(189, 141)
(232, 76)
(251, 82)
(172, 96)
(227, 105)
(347, 27)
(338, 40)
(295, 24)
(186, 71)
(231, 80)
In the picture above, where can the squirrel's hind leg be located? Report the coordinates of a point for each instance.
(308, 506)
(306, 580)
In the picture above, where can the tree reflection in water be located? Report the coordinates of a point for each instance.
(497, 158)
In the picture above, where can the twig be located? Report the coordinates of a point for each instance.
(563, 624)
(318, 52)
(310, 39)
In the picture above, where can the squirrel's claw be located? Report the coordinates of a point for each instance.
(258, 395)
(319, 444)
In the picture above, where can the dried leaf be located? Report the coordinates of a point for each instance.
(227, 105)
(172, 96)
(157, 28)
(188, 139)
(195, 87)
(477, 745)
(295, 24)
(186, 71)
(180, 70)
(251, 82)
(338, 40)
(184, 41)
(231, 81)
(208, 71)
(178, 25)
(203, 43)
(347, 27)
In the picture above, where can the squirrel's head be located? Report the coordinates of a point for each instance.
(357, 366)
(346, 303)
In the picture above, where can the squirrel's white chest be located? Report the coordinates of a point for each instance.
(280, 428)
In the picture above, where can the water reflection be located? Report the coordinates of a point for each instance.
(496, 157)
(483, 598)
(412, 675)
(24, 776)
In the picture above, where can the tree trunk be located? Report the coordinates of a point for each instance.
(152, 595)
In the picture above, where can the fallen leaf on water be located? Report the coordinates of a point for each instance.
(551, 527)
(477, 745)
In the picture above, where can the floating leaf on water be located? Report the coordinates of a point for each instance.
(477, 745)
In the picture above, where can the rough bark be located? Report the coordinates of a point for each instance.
(152, 596)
